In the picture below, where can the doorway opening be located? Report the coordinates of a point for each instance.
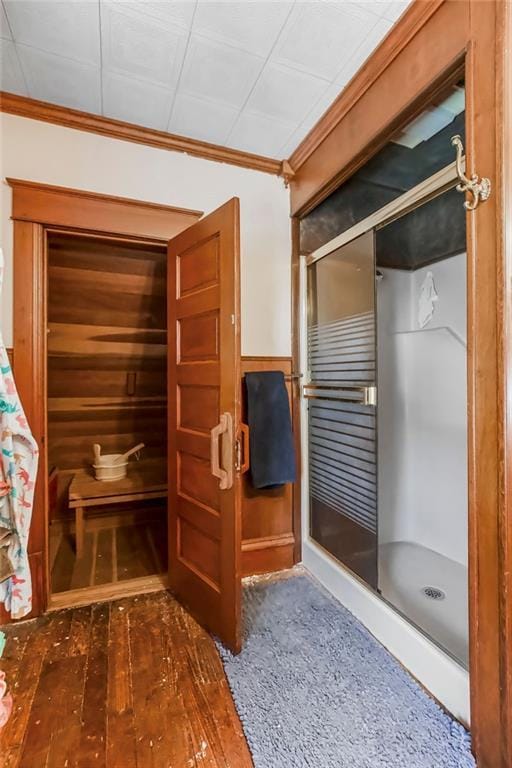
(106, 387)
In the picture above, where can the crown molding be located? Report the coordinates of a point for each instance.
(105, 126)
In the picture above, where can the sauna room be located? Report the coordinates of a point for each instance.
(107, 394)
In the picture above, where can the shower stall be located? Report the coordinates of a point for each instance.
(385, 387)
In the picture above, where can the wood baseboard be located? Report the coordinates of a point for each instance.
(266, 555)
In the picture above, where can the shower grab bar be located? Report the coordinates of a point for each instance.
(365, 395)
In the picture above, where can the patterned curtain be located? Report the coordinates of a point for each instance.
(18, 468)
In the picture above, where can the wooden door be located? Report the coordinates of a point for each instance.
(204, 413)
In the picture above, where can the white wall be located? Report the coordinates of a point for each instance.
(52, 154)
(422, 413)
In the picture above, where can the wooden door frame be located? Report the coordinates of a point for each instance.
(433, 42)
(504, 141)
(37, 209)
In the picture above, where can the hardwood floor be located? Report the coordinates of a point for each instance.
(134, 683)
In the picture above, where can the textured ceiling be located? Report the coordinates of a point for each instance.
(250, 75)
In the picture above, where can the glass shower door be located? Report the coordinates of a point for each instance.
(341, 399)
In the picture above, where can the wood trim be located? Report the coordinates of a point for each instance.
(267, 555)
(486, 422)
(296, 384)
(29, 366)
(504, 160)
(273, 360)
(74, 598)
(91, 211)
(391, 46)
(117, 129)
(268, 542)
(10, 355)
(434, 41)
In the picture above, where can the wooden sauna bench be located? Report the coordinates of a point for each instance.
(146, 479)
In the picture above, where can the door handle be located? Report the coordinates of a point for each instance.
(223, 431)
(243, 450)
(366, 395)
(370, 396)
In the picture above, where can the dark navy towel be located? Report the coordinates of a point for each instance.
(270, 429)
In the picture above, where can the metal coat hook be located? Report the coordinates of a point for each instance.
(479, 189)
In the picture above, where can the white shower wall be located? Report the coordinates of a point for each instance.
(422, 410)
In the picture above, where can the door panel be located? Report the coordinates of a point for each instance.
(203, 381)
(341, 405)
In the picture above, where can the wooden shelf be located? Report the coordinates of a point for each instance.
(88, 404)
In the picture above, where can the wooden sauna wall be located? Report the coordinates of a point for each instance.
(107, 351)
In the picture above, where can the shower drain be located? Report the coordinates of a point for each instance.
(433, 593)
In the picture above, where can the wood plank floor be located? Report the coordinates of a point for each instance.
(111, 554)
(134, 683)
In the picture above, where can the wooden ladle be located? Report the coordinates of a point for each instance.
(128, 453)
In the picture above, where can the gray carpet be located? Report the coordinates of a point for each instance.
(315, 690)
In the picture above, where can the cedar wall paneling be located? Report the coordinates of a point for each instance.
(107, 351)
(267, 515)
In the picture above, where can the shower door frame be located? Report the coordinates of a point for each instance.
(435, 185)
(432, 46)
(350, 393)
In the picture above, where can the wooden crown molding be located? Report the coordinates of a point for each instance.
(409, 24)
(105, 126)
